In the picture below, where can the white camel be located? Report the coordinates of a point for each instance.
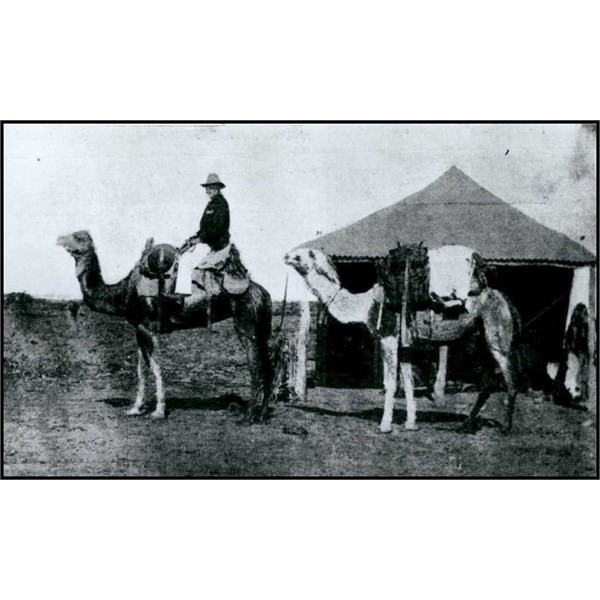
(490, 309)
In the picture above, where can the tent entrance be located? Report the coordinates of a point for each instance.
(541, 295)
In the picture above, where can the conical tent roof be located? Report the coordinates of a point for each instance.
(454, 209)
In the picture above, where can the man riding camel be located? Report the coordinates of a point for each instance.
(209, 274)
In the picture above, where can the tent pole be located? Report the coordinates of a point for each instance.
(301, 343)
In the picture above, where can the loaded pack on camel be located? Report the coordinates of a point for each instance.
(430, 289)
(418, 292)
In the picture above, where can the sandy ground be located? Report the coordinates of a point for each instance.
(67, 385)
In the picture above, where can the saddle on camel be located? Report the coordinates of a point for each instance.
(188, 276)
(218, 288)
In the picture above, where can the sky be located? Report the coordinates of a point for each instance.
(286, 184)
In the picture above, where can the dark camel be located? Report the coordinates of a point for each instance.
(251, 312)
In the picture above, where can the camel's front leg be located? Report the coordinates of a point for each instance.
(138, 405)
(389, 346)
(409, 393)
(160, 411)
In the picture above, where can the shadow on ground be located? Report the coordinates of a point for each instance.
(374, 414)
(224, 402)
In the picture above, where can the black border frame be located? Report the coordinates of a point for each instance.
(291, 122)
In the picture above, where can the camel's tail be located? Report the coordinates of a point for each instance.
(516, 349)
(264, 317)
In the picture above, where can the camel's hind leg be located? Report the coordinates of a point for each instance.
(260, 389)
(266, 377)
(504, 363)
(409, 394)
(389, 346)
(470, 425)
(498, 325)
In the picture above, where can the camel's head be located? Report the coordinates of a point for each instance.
(306, 261)
(298, 260)
(77, 244)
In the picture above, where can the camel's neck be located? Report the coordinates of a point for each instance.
(322, 287)
(96, 294)
(341, 304)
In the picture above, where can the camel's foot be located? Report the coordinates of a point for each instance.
(134, 411)
(412, 426)
(385, 428)
(439, 393)
(159, 413)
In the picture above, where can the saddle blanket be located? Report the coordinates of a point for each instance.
(429, 325)
(149, 287)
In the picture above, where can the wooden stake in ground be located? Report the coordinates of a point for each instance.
(298, 363)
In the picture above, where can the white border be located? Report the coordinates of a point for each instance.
(267, 60)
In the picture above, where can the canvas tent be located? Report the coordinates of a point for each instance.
(544, 272)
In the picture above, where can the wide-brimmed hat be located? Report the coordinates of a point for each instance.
(213, 181)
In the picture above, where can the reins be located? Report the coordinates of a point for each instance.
(330, 302)
(545, 310)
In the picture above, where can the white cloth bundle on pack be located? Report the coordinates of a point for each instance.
(450, 271)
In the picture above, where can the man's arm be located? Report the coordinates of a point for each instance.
(189, 243)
